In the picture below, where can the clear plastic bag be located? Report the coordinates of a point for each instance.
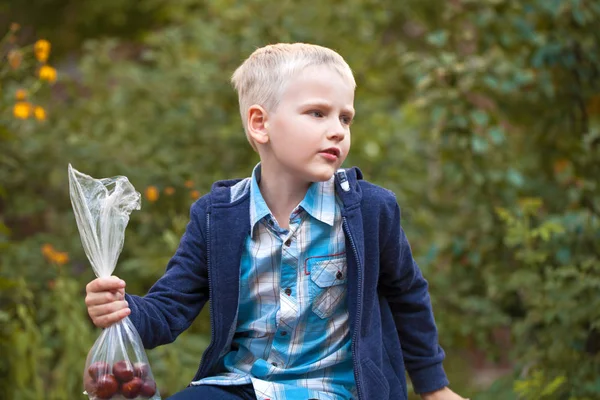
(116, 367)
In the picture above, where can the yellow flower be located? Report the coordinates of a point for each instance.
(169, 190)
(40, 113)
(61, 258)
(152, 193)
(54, 256)
(189, 184)
(22, 110)
(21, 94)
(47, 73)
(48, 250)
(42, 50)
(194, 194)
(14, 58)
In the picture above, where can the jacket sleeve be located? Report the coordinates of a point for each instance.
(178, 296)
(406, 291)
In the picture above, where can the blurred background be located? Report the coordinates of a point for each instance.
(483, 116)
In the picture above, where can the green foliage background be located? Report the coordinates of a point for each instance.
(481, 115)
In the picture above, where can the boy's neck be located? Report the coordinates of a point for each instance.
(281, 193)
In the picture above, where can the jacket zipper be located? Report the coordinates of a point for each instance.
(211, 346)
(358, 308)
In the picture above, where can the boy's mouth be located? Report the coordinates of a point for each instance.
(331, 150)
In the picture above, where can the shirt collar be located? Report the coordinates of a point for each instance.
(319, 201)
(258, 206)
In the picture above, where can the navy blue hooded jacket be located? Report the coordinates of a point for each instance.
(390, 315)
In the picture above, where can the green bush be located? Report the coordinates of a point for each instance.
(508, 93)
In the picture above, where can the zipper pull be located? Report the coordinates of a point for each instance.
(341, 174)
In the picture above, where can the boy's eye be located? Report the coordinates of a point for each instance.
(316, 113)
(346, 120)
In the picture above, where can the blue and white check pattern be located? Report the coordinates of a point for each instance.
(292, 340)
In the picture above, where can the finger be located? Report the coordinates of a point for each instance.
(96, 299)
(105, 309)
(109, 319)
(112, 283)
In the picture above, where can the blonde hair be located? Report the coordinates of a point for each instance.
(262, 78)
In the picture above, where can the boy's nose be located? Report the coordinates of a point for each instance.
(337, 131)
(338, 136)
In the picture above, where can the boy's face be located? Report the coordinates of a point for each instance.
(309, 132)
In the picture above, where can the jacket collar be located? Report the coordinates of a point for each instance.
(228, 193)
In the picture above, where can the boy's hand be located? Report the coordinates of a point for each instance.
(105, 301)
(442, 394)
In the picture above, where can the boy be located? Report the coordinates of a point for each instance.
(313, 290)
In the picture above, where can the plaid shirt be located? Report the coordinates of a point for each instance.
(292, 340)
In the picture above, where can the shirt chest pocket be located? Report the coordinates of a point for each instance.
(328, 285)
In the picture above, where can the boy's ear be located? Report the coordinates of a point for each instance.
(258, 126)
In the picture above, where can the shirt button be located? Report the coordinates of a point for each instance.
(283, 333)
(288, 291)
(339, 275)
(288, 242)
